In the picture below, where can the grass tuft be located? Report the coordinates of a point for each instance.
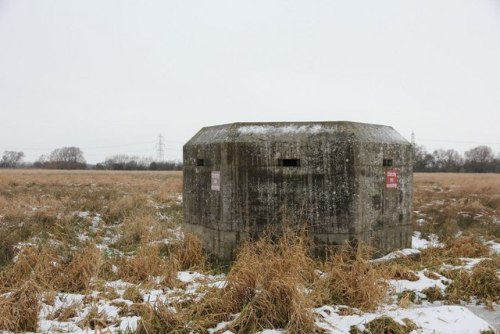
(483, 283)
(190, 253)
(267, 285)
(466, 246)
(350, 279)
(433, 293)
(147, 265)
(386, 325)
(19, 309)
(133, 294)
(80, 270)
(160, 319)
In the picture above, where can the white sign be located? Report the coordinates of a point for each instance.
(216, 180)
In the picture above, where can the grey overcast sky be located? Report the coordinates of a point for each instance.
(110, 76)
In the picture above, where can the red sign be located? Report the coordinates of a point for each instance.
(391, 178)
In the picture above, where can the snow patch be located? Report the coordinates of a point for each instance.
(423, 283)
(397, 254)
(495, 246)
(189, 276)
(430, 320)
(420, 243)
(269, 129)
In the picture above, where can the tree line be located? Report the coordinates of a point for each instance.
(128, 162)
(73, 158)
(479, 159)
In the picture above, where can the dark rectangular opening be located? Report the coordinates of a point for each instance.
(289, 162)
(387, 163)
(200, 162)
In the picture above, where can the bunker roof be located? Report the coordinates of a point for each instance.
(297, 131)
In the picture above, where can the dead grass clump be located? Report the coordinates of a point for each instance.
(189, 253)
(267, 286)
(279, 305)
(133, 294)
(160, 318)
(95, 319)
(482, 283)
(433, 293)
(431, 275)
(136, 230)
(65, 312)
(108, 293)
(350, 279)
(38, 264)
(83, 266)
(19, 309)
(485, 282)
(10, 235)
(146, 265)
(466, 247)
(400, 272)
(406, 298)
(49, 297)
(433, 258)
(126, 206)
(386, 325)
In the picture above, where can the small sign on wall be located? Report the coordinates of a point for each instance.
(391, 178)
(216, 180)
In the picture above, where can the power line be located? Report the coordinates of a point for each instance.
(170, 144)
(160, 149)
(459, 141)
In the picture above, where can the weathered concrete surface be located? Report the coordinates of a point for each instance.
(328, 175)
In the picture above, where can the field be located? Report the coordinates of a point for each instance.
(104, 252)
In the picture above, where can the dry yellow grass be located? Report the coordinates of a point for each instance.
(267, 285)
(272, 284)
(52, 221)
(451, 203)
(146, 265)
(350, 279)
(461, 183)
(189, 253)
(19, 310)
(44, 204)
(482, 283)
(386, 325)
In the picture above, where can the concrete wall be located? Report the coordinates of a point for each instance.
(338, 189)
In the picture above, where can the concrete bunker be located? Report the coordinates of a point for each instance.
(345, 180)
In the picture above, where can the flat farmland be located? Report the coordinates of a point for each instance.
(100, 251)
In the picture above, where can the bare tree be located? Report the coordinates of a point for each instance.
(447, 160)
(64, 158)
(479, 159)
(127, 162)
(422, 160)
(11, 159)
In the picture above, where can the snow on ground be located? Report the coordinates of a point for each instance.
(191, 282)
(397, 254)
(429, 317)
(422, 283)
(418, 242)
(495, 246)
(429, 320)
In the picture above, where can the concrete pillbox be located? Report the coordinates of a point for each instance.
(344, 180)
